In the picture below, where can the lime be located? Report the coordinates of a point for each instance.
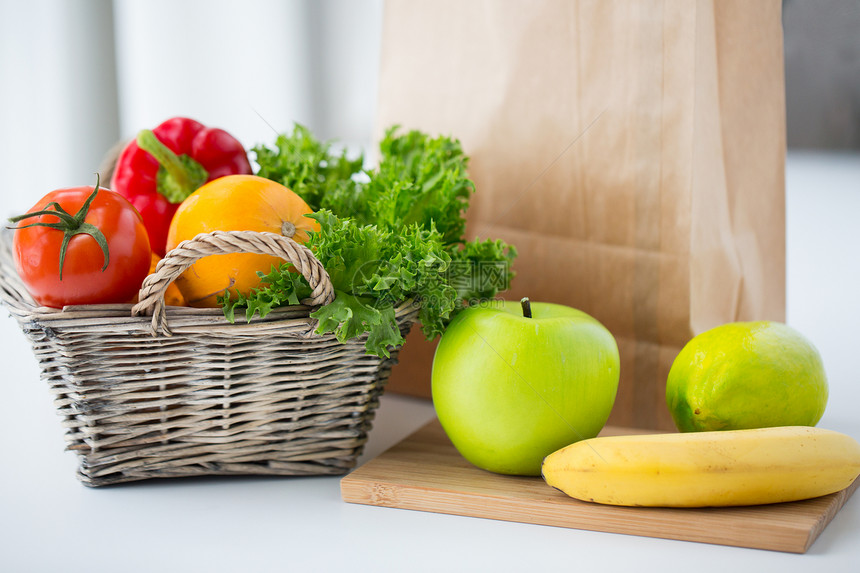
(747, 375)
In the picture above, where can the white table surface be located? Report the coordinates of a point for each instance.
(49, 522)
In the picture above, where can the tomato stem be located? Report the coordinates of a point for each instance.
(527, 307)
(69, 225)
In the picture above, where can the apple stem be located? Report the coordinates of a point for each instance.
(527, 307)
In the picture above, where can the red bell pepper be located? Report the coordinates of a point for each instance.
(163, 166)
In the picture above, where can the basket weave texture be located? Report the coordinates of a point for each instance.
(184, 393)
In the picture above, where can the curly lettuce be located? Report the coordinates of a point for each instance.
(387, 235)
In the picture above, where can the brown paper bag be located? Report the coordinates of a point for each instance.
(632, 150)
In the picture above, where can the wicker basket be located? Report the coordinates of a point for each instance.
(186, 393)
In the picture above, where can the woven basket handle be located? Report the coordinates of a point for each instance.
(223, 242)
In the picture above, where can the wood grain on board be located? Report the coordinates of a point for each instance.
(425, 472)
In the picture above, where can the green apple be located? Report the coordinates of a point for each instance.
(513, 382)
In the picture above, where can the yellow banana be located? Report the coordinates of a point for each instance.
(701, 469)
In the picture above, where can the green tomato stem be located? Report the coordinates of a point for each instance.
(69, 225)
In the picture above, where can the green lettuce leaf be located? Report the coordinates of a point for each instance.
(387, 235)
(350, 317)
(307, 166)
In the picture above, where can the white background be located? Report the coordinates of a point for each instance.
(77, 76)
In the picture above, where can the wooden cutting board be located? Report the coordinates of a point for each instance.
(424, 472)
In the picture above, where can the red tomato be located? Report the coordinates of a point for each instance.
(90, 275)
